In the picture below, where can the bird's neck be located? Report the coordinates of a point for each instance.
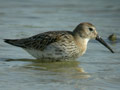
(82, 43)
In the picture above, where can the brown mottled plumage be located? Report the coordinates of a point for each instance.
(59, 45)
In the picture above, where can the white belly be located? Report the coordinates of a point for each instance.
(56, 52)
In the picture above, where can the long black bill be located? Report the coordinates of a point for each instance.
(98, 38)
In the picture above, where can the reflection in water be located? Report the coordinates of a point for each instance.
(30, 17)
(69, 68)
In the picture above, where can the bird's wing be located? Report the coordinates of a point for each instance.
(41, 41)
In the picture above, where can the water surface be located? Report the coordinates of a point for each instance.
(98, 69)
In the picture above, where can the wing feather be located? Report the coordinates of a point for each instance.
(40, 41)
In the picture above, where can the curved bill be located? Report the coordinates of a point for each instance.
(98, 38)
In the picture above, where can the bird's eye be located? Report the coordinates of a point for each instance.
(90, 29)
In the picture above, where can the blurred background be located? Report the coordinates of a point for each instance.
(98, 69)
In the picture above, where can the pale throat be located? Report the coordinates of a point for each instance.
(81, 41)
(82, 44)
(86, 41)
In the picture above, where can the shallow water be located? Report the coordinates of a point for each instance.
(98, 69)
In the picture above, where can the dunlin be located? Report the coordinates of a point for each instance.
(59, 45)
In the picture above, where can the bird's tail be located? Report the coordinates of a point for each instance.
(15, 42)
